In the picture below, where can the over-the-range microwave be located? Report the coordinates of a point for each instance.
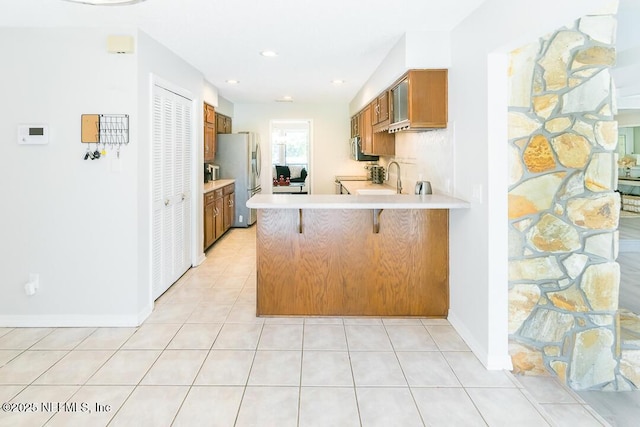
(356, 151)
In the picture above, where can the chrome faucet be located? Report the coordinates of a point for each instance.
(398, 182)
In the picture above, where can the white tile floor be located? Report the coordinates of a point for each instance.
(204, 359)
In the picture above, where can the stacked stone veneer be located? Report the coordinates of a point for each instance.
(563, 208)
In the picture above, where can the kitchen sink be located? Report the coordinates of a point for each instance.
(375, 191)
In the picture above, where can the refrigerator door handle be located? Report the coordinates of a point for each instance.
(258, 160)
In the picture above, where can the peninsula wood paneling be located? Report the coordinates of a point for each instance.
(338, 266)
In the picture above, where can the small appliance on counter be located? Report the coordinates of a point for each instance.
(423, 187)
(211, 172)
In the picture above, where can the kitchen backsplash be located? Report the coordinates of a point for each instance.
(424, 156)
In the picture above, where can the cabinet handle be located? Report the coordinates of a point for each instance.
(230, 203)
(184, 197)
(215, 211)
(166, 202)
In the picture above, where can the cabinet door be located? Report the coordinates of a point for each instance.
(427, 103)
(209, 225)
(383, 107)
(209, 142)
(223, 123)
(209, 114)
(219, 123)
(366, 132)
(219, 217)
(229, 210)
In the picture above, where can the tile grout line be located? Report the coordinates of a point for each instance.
(246, 384)
(353, 377)
(395, 353)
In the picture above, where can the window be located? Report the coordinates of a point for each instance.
(290, 143)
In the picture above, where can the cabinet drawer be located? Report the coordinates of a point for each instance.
(217, 193)
(228, 189)
(209, 198)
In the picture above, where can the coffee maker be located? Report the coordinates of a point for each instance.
(211, 172)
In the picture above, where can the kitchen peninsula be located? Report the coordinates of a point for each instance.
(353, 255)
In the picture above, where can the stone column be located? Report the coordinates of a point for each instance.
(563, 208)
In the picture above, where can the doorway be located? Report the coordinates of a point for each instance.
(290, 150)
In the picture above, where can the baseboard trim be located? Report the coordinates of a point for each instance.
(479, 351)
(201, 258)
(75, 321)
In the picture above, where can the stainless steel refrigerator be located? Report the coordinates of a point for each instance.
(238, 155)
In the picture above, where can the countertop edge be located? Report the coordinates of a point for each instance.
(334, 201)
(215, 185)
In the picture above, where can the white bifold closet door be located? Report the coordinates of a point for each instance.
(171, 188)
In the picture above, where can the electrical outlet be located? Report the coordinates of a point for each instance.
(32, 286)
(240, 218)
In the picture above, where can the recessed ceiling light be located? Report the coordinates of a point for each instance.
(106, 2)
(233, 82)
(268, 53)
(285, 98)
(337, 81)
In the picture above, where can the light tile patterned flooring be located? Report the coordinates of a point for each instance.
(204, 359)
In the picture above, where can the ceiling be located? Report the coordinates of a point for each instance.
(316, 41)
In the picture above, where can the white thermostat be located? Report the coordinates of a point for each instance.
(33, 134)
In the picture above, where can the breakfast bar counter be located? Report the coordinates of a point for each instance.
(359, 201)
(353, 255)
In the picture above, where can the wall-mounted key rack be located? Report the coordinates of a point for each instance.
(110, 130)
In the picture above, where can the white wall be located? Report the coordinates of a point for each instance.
(82, 225)
(225, 107)
(331, 131)
(72, 221)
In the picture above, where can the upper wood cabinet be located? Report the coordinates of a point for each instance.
(223, 123)
(366, 131)
(209, 114)
(209, 142)
(355, 125)
(375, 143)
(419, 101)
(416, 101)
(209, 133)
(380, 110)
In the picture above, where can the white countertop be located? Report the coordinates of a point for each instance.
(348, 201)
(218, 183)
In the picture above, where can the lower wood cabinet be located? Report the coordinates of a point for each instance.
(332, 262)
(219, 212)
